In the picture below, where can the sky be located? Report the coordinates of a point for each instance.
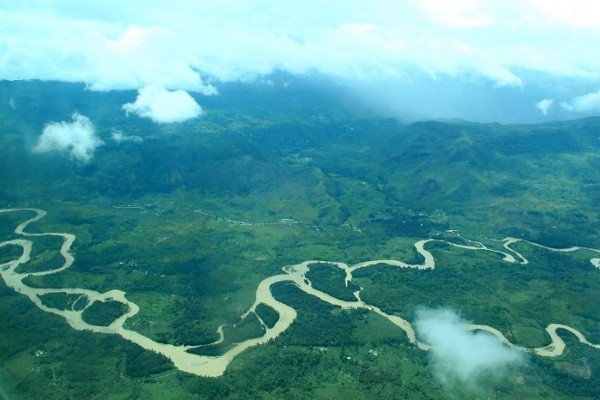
(509, 61)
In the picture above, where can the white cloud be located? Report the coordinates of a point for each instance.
(164, 106)
(117, 46)
(464, 14)
(120, 137)
(576, 13)
(544, 105)
(186, 45)
(78, 138)
(588, 103)
(460, 357)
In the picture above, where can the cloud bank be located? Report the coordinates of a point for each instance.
(186, 45)
(163, 106)
(77, 138)
(460, 357)
(112, 45)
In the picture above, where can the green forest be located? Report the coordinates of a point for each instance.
(190, 219)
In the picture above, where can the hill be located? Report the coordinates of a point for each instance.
(189, 218)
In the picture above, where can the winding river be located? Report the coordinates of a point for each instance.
(214, 366)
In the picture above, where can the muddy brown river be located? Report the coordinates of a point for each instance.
(214, 366)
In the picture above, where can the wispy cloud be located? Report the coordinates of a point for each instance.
(77, 138)
(120, 137)
(544, 105)
(587, 103)
(164, 106)
(460, 357)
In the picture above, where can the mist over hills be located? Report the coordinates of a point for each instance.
(255, 138)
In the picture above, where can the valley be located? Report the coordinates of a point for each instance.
(257, 251)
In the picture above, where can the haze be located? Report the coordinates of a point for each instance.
(515, 61)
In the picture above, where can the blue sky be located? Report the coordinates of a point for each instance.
(505, 61)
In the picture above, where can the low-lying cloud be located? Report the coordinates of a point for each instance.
(544, 105)
(587, 103)
(120, 137)
(77, 138)
(163, 106)
(461, 358)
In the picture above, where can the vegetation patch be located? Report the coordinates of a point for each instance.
(332, 280)
(64, 301)
(103, 313)
(267, 314)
